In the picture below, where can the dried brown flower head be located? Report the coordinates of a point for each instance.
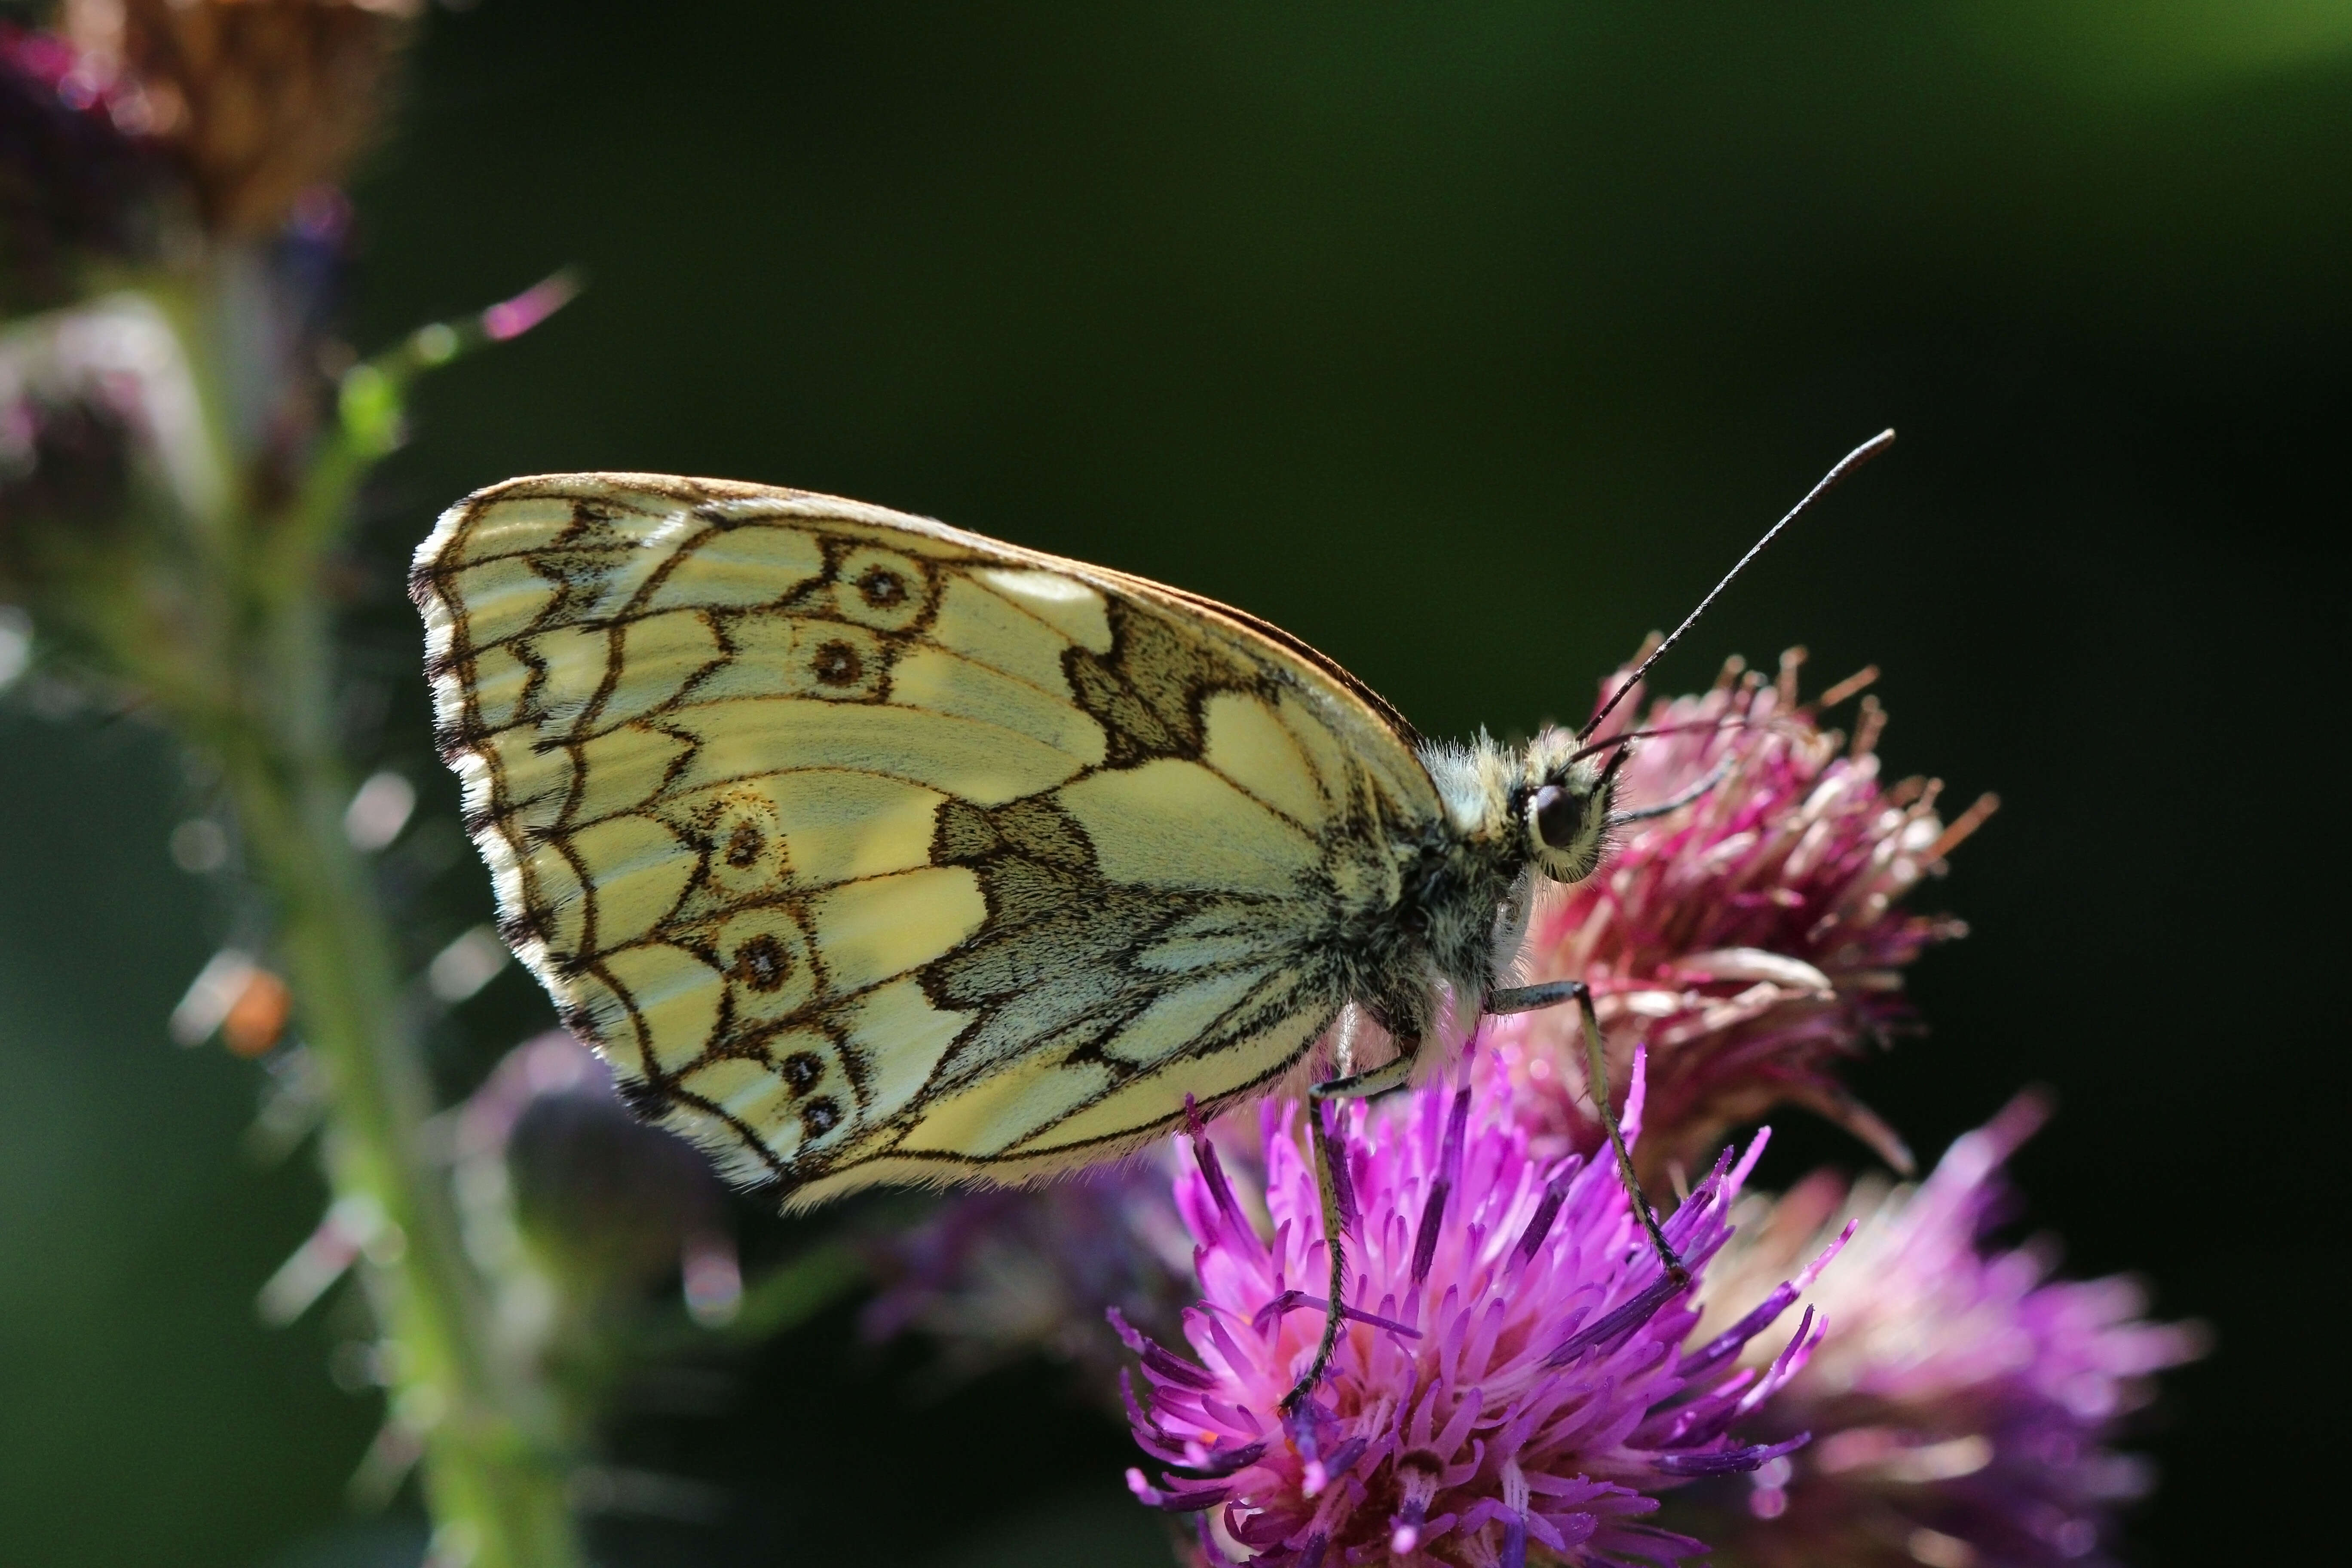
(259, 100)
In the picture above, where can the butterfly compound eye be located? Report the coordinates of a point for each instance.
(1557, 817)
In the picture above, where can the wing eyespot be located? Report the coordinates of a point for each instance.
(764, 954)
(748, 852)
(763, 964)
(882, 588)
(837, 664)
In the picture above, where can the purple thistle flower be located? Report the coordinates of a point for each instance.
(1513, 1377)
(1964, 1406)
(1753, 939)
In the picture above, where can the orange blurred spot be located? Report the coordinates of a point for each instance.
(257, 1017)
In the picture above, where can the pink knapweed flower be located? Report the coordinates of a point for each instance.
(1514, 1379)
(1753, 939)
(1963, 1406)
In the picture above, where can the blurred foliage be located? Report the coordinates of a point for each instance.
(1469, 343)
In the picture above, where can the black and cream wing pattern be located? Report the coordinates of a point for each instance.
(867, 849)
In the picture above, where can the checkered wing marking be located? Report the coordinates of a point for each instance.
(867, 849)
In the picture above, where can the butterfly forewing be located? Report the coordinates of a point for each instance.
(869, 850)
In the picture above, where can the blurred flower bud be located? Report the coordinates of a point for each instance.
(104, 459)
(993, 1276)
(608, 1205)
(257, 1019)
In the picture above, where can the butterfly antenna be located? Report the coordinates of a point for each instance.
(1846, 465)
(1625, 737)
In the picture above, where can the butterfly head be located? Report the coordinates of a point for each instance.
(1561, 803)
(1544, 806)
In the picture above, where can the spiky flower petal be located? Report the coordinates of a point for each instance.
(1752, 940)
(1512, 1378)
(1964, 1407)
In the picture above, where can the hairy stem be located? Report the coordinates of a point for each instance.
(488, 1428)
(491, 1474)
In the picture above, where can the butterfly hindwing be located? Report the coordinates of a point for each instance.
(867, 849)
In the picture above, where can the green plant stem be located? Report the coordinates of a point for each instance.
(493, 1471)
(242, 659)
(210, 598)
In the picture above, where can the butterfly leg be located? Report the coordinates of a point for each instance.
(1551, 992)
(1388, 1075)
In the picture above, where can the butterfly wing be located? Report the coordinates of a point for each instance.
(867, 849)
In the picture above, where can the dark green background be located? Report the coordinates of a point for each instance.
(1470, 342)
